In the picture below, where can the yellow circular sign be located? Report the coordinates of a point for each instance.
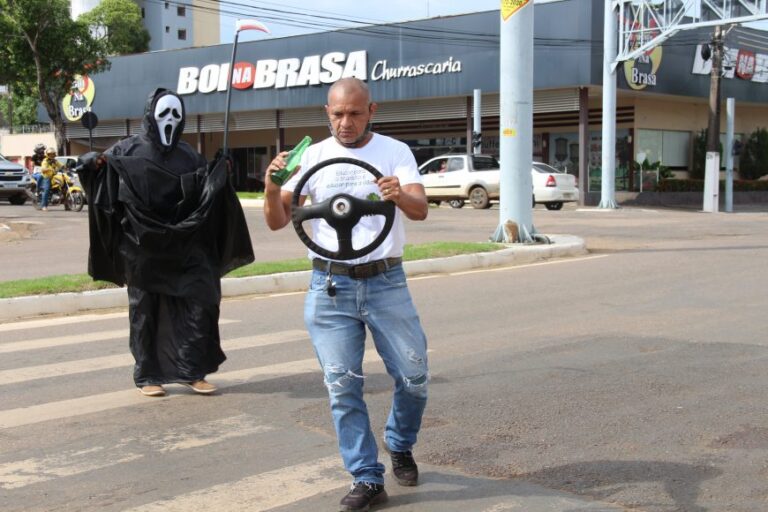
(79, 99)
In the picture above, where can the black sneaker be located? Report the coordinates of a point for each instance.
(361, 496)
(404, 467)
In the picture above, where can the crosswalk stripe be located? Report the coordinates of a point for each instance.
(58, 321)
(45, 371)
(73, 407)
(94, 364)
(260, 492)
(72, 339)
(17, 474)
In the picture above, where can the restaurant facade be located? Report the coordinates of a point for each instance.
(423, 74)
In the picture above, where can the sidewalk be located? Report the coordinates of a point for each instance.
(515, 254)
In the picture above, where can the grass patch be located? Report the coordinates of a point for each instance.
(271, 267)
(250, 195)
(83, 282)
(51, 284)
(446, 249)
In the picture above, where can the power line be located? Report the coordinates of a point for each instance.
(423, 33)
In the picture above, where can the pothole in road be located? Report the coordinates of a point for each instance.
(15, 231)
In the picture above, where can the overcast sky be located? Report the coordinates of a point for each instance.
(292, 17)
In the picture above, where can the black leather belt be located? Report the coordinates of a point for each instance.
(361, 271)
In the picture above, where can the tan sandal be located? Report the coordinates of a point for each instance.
(202, 386)
(152, 390)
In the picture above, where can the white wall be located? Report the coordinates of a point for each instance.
(16, 147)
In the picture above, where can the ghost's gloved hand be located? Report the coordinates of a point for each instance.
(92, 162)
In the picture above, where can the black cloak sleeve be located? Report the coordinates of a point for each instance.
(163, 232)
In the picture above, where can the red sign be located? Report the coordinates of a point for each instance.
(745, 64)
(243, 75)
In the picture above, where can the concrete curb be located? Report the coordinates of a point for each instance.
(68, 303)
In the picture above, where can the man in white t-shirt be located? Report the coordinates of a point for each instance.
(345, 297)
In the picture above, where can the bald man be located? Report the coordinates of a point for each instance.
(371, 291)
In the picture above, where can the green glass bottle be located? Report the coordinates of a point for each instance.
(294, 157)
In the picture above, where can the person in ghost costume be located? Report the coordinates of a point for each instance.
(168, 225)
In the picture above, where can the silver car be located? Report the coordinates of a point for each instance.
(14, 181)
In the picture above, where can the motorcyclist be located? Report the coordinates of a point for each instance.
(38, 155)
(48, 170)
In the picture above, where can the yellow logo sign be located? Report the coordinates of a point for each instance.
(510, 7)
(80, 98)
(641, 72)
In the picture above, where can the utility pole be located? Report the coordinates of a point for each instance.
(515, 122)
(713, 128)
(10, 108)
(712, 166)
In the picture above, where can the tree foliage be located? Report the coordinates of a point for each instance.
(44, 48)
(753, 161)
(24, 107)
(118, 24)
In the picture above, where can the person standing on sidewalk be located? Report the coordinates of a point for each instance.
(371, 291)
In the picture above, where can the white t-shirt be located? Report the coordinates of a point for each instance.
(390, 157)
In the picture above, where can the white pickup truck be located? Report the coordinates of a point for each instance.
(456, 178)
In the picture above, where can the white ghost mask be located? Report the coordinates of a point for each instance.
(167, 114)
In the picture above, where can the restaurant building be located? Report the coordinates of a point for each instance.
(423, 74)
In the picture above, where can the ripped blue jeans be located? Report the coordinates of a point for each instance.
(337, 328)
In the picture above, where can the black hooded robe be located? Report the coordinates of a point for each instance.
(169, 226)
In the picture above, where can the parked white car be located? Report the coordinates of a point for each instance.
(460, 177)
(552, 187)
(457, 178)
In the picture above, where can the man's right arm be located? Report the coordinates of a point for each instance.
(277, 202)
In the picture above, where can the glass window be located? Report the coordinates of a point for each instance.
(435, 166)
(455, 164)
(649, 146)
(671, 148)
(545, 169)
(482, 163)
(676, 146)
(181, 11)
(182, 34)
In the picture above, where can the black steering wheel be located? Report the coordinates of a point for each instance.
(342, 212)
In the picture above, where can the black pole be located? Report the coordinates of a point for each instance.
(225, 149)
(10, 107)
(90, 140)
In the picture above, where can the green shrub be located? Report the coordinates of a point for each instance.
(700, 155)
(753, 161)
(698, 186)
(681, 186)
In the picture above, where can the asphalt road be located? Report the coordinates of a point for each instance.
(630, 379)
(56, 242)
(37, 244)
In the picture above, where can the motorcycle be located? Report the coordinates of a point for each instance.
(64, 191)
